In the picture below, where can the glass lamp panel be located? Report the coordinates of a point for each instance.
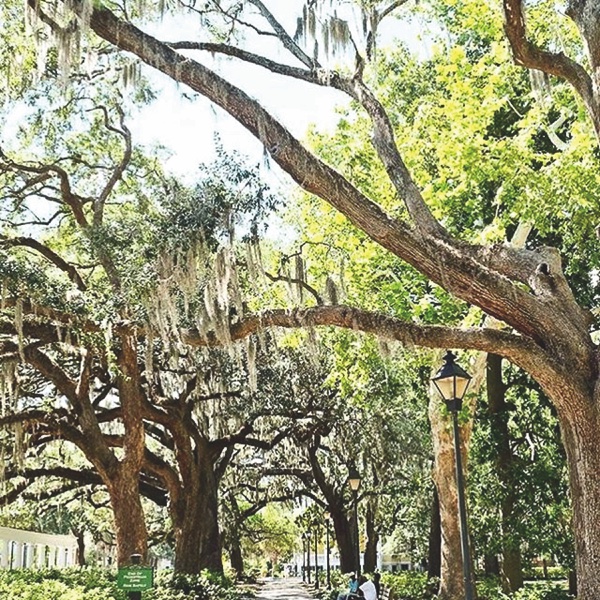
(462, 383)
(446, 387)
(354, 484)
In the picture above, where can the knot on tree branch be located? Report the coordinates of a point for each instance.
(542, 281)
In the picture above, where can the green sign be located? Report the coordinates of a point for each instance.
(135, 579)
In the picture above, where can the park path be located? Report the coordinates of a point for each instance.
(282, 589)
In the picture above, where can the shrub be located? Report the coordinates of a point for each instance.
(411, 585)
(490, 589)
(83, 584)
(542, 592)
(55, 584)
(206, 586)
(555, 572)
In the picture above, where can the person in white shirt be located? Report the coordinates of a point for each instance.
(367, 587)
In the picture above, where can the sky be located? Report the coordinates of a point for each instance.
(187, 126)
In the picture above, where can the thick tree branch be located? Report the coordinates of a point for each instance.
(470, 280)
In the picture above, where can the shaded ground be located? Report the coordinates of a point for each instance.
(282, 589)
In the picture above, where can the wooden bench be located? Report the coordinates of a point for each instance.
(386, 593)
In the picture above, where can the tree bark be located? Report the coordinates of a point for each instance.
(580, 435)
(130, 525)
(370, 558)
(80, 535)
(491, 564)
(236, 558)
(195, 519)
(511, 542)
(344, 538)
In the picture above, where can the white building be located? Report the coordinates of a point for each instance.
(20, 549)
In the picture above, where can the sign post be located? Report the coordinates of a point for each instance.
(135, 578)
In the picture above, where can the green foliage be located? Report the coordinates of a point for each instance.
(269, 535)
(541, 522)
(206, 586)
(552, 573)
(410, 585)
(66, 584)
(491, 589)
(83, 584)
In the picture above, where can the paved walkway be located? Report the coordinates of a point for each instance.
(282, 589)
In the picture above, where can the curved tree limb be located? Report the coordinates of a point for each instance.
(47, 253)
(527, 54)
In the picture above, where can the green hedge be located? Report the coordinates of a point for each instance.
(410, 585)
(553, 573)
(490, 589)
(83, 584)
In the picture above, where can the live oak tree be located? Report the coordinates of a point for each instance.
(548, 331)
(78, 364)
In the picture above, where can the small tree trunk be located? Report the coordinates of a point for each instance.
(370, 559)
(236, 557)
(491, 564)
(512, 568)
(451, 573)
(80, 536)
(511, 548)
(573, 583)
(434, 554)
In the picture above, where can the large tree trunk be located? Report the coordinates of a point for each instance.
(130, 524)
(580, 437)
(210, 539)
(511, 547)
(195, 518)
(344, 538)
(123, 488)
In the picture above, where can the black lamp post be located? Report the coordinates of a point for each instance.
(316, 555)
(327, 550)
(354, 480)
(452, 382)
(307, 534)
(304, 558)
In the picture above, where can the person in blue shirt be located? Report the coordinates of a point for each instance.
(352, 589)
